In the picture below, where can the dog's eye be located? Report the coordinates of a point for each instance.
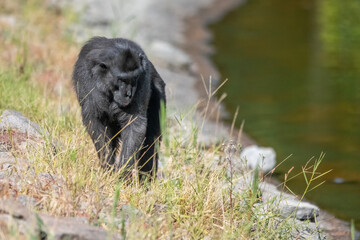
(103, 66)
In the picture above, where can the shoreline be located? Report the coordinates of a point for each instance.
(198, 37)
(198, 48)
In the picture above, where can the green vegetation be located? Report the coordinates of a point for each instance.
(194, 196)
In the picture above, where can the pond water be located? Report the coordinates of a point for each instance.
(294, 72)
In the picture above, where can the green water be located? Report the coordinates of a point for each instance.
(294, 72)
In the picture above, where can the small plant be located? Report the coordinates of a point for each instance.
(230, 149)
(311, 170)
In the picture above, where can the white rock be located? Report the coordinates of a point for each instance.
(254, 155)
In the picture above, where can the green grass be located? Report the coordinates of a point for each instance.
(17, 93)
(193, 198)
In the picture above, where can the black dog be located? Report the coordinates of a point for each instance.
(120, 93)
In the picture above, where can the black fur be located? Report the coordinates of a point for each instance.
(119, 92)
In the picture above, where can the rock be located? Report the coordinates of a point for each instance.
(95, 17)
(244, 182)
(13, 120)
(5, 146)
(13, 214)
(180, 92)
(186, 131)
(287, 204)
(160, 208)
(126, 215)
(254, 155)
(8, 161)
(6, 158)
(56, 4)
(12, 173)
(17, 174)
(47, 181)
(26, 201)
(8, 20)
(303, 210)
(130, 211)
(19, 133)
(170, 56)
(211, 133)
(309, 231)
(73, 228)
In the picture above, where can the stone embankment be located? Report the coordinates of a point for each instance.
(162, 28)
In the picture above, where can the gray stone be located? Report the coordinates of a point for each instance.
(19, 174)
(244, 182)
(15, 214)
(126, 215)
(170, 56)
(92, 16)
(9, 20)
(207, 133)
(6, 157)
(129, 210)
(254, 155)
(4, 146)
(49, 181)
(303, 210)
(7, 160)
(13, 120)
(180, 92)
(73, 228)
(211, 132)
(287, 204)
(309, 231)
(19, 133)
(26, 201)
